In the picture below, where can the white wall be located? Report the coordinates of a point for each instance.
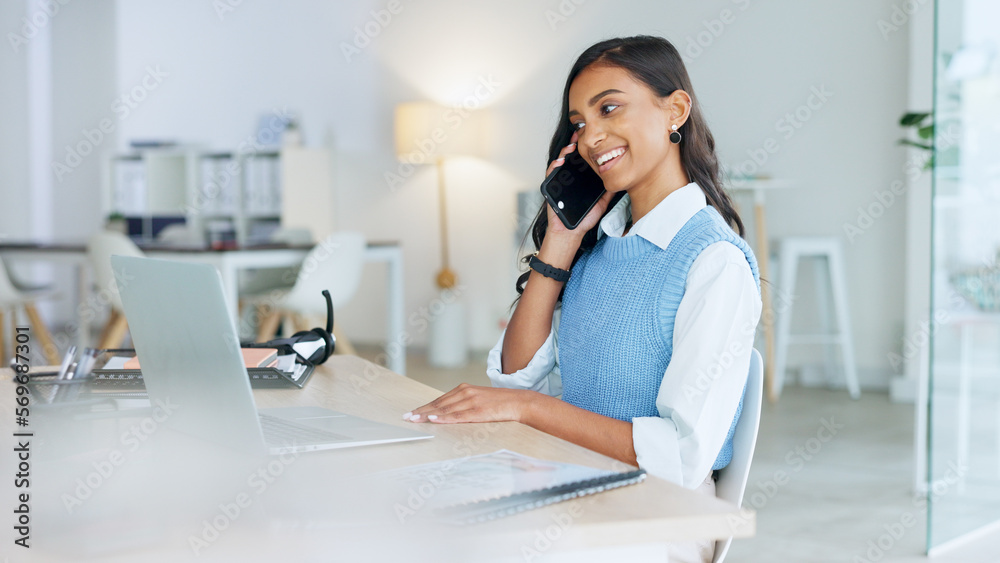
(224, 71)
(58, 82)
(15, 217)
(83, 90)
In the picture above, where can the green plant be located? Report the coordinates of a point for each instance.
(923, 122)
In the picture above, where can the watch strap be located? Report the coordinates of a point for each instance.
(547, 270)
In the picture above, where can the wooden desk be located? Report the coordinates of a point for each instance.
(229, 263)
(336, 514)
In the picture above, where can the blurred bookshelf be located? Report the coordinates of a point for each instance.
(204, 189)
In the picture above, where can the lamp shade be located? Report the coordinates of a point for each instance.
(426, 131)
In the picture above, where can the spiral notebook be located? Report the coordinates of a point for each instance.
(489, 486)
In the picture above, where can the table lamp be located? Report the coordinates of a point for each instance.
(428, 132)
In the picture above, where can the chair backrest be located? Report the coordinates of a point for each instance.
(732, 479)
(9, 294)
(100, 248)
(335, 264)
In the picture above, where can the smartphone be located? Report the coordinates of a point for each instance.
(572, 190)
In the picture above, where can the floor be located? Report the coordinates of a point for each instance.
(831, 479)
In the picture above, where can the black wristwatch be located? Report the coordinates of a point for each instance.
(546, 270)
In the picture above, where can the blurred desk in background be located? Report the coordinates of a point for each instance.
(229, 263)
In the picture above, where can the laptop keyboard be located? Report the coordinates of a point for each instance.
(281, 432)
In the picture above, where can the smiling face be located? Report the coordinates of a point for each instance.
(624, 130)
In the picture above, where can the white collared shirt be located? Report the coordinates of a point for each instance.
(713, 335)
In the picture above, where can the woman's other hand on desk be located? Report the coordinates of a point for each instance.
(472, 403)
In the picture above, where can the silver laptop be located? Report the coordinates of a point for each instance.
(190, 354)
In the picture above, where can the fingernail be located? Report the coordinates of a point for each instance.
(571, 145)
(432, 417)
(407, 416)
(560, 159)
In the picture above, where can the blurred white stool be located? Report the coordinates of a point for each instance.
(830, 278)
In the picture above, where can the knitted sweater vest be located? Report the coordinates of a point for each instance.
(618, 311)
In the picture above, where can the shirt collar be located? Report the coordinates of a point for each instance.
(662, 222)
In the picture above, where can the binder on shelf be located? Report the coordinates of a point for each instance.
(128, 195)
(262, 195)
(217, 184)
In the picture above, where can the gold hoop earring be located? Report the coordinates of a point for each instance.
(675, 136)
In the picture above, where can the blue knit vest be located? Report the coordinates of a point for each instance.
(618, 311)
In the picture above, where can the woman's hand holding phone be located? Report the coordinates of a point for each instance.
(556, 227)
(562, 154)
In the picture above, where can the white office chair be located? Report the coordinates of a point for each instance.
(254, 282)
(334, 264)
(100, 248)
(11, 297)
(27, 286)
(261, 280)
(731, 482)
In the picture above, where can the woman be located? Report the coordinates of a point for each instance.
(652, 347)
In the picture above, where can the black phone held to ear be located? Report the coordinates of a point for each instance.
(572, 190)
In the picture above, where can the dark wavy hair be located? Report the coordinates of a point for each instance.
(656, 63)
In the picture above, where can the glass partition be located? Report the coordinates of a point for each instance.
(964, 361)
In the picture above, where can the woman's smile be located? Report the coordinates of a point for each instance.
(608, 159)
